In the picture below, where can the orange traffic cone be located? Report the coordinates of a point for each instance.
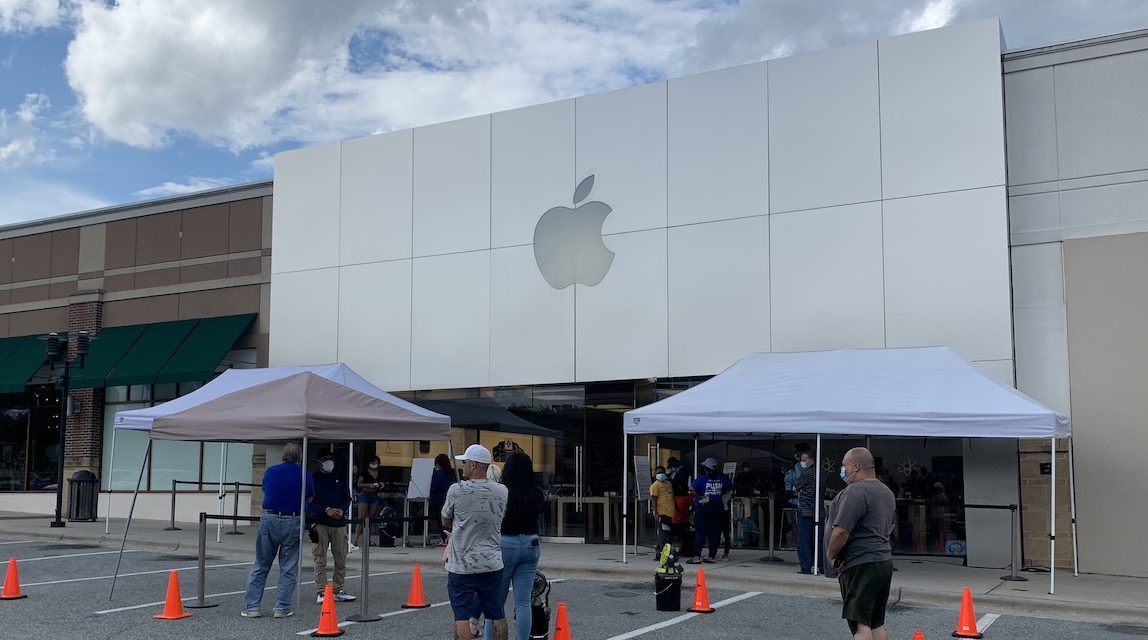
(919, 635)
(12, 583)
(561, 624)
(967, 620)
(416, 599)
(701, 595)
(328, 621)
(173, 608)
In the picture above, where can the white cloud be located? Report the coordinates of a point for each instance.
(27, 15)
(24, 197)
(178, 188)
(22, 139)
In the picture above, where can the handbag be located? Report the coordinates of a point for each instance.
(313, 532)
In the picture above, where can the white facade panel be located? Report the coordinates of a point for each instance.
(306, 230)
(377, 195)
(531, 324)
(375, 322)
(621, 328)
(1041, 324)
(825, 129)
(719, 294)
(1030, 119)
(946, 273)
(1102, 211)
(718, 135)
(532, 169)
(621, 141)
(304, 317)
(452, 187)
(450, 321)
(826, 279)
(1034, 218)
(942, 114)
(1038, 275)
(1108, 135)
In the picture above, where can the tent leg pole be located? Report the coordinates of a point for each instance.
(109, 475)
(625, 493)
(352, 488)
(128, 524)
(302, 519)
(1072, 497)
(816, 508)
(695, 457)
(1052, 524)
(222, 491)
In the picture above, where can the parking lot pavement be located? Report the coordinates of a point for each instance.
(68, 597)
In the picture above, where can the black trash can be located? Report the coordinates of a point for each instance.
(668, 591)
(83, 496)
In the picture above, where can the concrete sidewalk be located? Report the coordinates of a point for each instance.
(918, 581)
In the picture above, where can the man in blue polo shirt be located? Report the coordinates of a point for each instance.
(278, 534)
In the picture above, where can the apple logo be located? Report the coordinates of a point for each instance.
(568, 243)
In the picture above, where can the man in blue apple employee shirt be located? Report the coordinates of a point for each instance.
(279, 533)
(708, 489)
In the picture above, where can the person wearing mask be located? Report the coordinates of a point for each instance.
(441, 480)
(368, 484)
(708, 489)
(332, 499)
(662, 508)
(806, 487)
(683, 504)
(520, 549)
(279, 533)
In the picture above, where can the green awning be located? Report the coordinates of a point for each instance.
(204, 348)
(7, 346)
(104, 354)
(24, 359)
(149, 353)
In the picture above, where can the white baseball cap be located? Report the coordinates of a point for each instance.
(710, 463)
(477, 453)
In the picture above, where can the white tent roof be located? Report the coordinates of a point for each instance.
(927, 391)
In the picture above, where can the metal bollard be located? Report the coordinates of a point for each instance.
(1013, 576)
(771, 557)
(172, 527)
(365, 577)
(235, 515)
(201, 568)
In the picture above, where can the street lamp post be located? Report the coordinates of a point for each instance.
(57, 356)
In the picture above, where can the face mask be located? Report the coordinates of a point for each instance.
(661, 476)
(328, 466)
(805, 464)
(374, 465)
(843, 475)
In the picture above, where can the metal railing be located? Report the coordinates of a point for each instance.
(235, 507)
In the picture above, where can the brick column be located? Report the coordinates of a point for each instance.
(1035, 507)
(84, 441)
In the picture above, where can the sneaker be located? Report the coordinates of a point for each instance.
(282, 613)
(251, 613)
(351, 548)
(343, 596)
(319, 598)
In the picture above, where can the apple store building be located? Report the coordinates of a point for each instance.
(535, 273)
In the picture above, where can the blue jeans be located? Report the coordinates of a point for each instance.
(520, 556)
(805, 543)
(277, 535)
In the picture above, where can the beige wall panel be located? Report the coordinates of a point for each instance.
(4, 321)
(245, 267)
(141, 310)
(120, 244)
(205, 231)
(201, 272)
(245, 226)
(157, 238)
(219, 302)
(38, 322)
(93, 245)
(66, 252)
(1107, 297)
(32, 257)
(62, 289)
(5, 261)
(122, 282)
(157, 278)
(38, 293)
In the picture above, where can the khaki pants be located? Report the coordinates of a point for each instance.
(336, 539)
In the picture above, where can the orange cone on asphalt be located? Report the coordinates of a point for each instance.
(12, 583)
(967, 620)
(173, 608)
(416, 599)
(919, 635)
(701, 595)
(328, 621)
(561, 624)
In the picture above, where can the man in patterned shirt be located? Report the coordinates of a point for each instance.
(473, 514)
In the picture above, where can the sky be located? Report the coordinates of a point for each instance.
(106, 103)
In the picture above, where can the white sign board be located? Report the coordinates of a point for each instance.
(642, 476)
(421, 471)
(729, 468)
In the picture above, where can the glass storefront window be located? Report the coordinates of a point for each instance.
(13, 449)
(129, 451)
(115, 394)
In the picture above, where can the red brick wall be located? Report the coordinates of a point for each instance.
(84, 441)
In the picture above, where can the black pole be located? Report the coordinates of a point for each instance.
(65, 383)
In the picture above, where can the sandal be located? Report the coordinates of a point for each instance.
(709, 560)
(693, 561)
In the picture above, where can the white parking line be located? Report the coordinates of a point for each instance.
(18, 542)
(986, 620)
(399, 612)
(75, 555)
(137, 573)
(218, 595)
(682, 618)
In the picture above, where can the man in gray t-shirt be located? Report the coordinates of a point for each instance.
(473, 515)
(860, 522)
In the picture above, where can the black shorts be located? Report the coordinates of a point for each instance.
(865, 592)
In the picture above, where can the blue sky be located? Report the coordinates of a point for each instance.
(105, 103)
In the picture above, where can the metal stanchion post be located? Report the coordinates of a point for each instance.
(772, 530)
(201, 568)
(172, 527)
(235, 515)
(1014, 543)
(365, 579)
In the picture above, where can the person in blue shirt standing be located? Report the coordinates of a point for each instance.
(708, 489)
(279, 534)
(332, 500)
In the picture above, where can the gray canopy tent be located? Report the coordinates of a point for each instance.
(329, 403)
(917, 392)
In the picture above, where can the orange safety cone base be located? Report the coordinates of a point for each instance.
(12, 583)
(415, 597)
(328, 621)
(701, 595)
(173, 607)
(172, 616)
(967, 619)
(958, 634)
(920, 635)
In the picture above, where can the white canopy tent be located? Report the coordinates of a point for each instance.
(926, 391)
(329, 403)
